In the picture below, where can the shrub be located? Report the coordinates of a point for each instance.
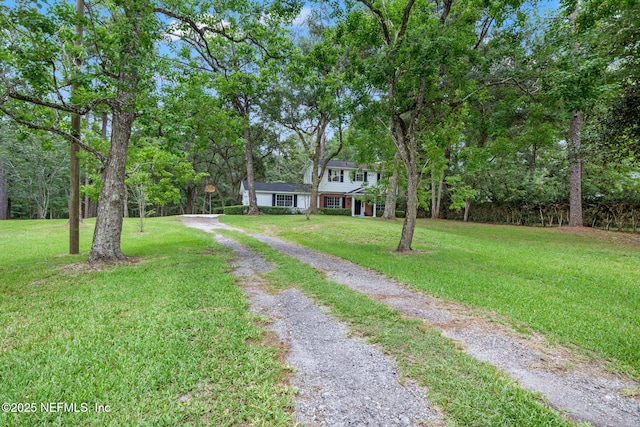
(217, 210)
(277, 210)
(400, 214)
(235, 210)
(335, 211)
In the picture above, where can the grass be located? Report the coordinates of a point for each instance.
(471, 393)
(579, 291)
(164, 341)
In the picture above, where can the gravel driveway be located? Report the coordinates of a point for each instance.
(570, 383)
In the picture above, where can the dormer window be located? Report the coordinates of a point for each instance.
(336, 175)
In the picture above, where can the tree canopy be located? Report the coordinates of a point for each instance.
(477, 110)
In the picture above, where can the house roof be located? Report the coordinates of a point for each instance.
(360, 190)
(340, 164)
(280, 187)
(345, 164)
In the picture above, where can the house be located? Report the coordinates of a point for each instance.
(343, 185)
(283, 194)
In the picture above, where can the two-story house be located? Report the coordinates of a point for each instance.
(343, 185)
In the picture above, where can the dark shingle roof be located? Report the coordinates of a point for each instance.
(341, 164)
(345, 164)
(280, 187)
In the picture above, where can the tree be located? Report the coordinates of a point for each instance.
(575, 82)
(418, 56)
(311, 97)
(155, 175)
(617, 25)
(367, 126)
(35, 165)
(37, 68)
(236, 48)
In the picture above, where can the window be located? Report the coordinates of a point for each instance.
(333, 202)
(336, 175)
(285, 200)
(360, 176)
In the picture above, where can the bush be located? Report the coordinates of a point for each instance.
(335, 211)
(217, 210)
(400, 214)
(277, 210)
(235, 210)
(265, 210)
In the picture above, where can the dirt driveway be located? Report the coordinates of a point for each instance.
(572, 384)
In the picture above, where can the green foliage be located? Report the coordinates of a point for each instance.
(36, 166)
(265, 210)
(235, 210)
(154, 175)
(277, 210)
(334, 211)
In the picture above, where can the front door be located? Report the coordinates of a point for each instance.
(357, 208)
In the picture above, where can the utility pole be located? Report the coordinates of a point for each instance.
(575, 155)
(76, 123)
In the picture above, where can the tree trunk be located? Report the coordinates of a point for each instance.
(575, 161)
(409, 225)
(4, 199)
(251, 186)
(108, 230)
(319, 151)
(392, 192)
(467, 208)
(436, 192)
(315, 183)
(191, 199)
(439, 197)
(125, 203)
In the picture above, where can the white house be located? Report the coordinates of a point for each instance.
(283, 194)
(343, 185)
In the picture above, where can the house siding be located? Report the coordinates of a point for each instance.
(327, 186)
(264, 199)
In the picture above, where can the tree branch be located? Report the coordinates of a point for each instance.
(381, 18)
(57, 131)
(405, 18)
(486, 25)
(81, 110)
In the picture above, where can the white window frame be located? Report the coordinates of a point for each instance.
(284, 200)
(330, 202)
(358, 176)
(336, 175)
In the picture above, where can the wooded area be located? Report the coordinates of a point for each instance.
(525, 112)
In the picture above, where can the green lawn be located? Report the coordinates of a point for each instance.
(164, 341)
(168, 340)
(579, 291)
